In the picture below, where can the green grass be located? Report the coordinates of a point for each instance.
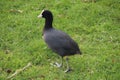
(94, 26)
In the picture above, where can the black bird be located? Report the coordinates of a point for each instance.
(58, 41)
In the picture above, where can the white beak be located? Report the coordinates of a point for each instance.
(40, 16)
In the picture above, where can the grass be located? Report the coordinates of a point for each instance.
(94, 26)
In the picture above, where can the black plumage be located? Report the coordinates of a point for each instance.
(58, 41)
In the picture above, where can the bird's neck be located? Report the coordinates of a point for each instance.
(48, 23)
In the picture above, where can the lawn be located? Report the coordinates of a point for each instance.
(94, 26)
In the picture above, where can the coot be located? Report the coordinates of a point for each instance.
(58, 41)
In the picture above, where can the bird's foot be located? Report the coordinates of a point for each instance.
(68, 70)
(56, 64)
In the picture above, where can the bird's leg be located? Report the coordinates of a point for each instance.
(61, 63)
(68, 67)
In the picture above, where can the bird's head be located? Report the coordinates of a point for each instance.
(45, 14)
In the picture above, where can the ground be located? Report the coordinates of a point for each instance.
(95, 26)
